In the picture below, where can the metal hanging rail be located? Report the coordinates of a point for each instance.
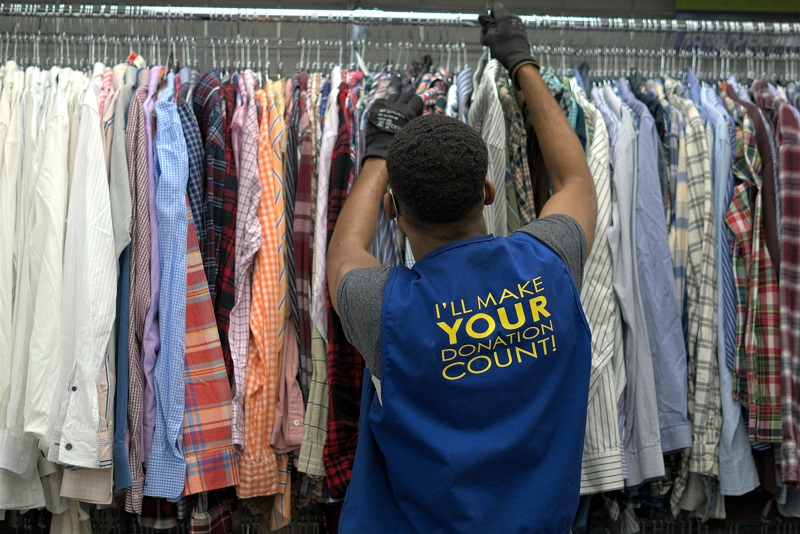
(365, 16)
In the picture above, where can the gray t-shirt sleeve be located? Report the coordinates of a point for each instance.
(360, 298)
(564, 236)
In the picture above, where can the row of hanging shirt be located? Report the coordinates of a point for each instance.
(163, 254)
(691, 290)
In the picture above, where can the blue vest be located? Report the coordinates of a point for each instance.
(486, 357)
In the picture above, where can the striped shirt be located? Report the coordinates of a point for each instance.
(329, 132)
(91, 266)
(602, 463)
(486, 116)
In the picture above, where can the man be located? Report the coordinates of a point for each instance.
(480, 354)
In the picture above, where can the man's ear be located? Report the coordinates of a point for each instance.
(489, 192)
(388, 207)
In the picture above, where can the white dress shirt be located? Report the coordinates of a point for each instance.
(14, 442)
(16, 492)
(43, 393)
(88, 302)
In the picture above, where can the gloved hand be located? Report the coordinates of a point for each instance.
(386, 117)
(505, 35)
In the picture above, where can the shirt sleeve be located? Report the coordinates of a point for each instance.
(564, 236)
(360, 298)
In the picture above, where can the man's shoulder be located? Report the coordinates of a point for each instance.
(564, 236)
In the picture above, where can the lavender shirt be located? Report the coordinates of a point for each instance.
(152, 340)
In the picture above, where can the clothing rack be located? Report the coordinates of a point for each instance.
(209, 37)
(365, 16)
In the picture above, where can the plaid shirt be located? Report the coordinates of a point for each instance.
(304, 234)
(194, 145)
(516, 145)
(207, 420)
(703, 375)
(788, 139)
(211, 514)
(431, 87)
(228, 192)
(248, 241)
(207, 108)
(756, 372)
(258, 466)
(166, 467)
(315, 422)
(139, 285)
(345, 364)
(679, 215)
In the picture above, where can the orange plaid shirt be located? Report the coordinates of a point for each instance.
(258, 469)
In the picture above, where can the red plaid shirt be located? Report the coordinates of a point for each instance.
(207, 421)
(345, 365)
(788, 133)
(304, 207)
(227, 189)
(207, 108)
(786, 122)
(757, 365)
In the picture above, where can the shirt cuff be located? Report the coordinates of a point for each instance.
(17, 455)
(78, 449)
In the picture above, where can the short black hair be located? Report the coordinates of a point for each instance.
(437, 169)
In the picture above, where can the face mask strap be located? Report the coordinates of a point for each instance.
(394, 203)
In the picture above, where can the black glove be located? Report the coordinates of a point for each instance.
(505, 35)
(386, 117)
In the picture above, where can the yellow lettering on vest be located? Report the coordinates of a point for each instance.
(531, 353)
(467, 350)
(451, 331)
(507, 294)
(448, 377)
(546, 327)
(537, 284)
(538, 308)
(542, 343)
(488, 365)
(499, 341)
(485, 303)
(485, 346)
(490, 324)
(497, 359)
(523, 291)
(448, 354)
(503, 315)
(532, 332)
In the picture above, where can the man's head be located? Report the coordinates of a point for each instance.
(437, 171)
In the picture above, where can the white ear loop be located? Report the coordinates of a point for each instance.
(394, 203)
